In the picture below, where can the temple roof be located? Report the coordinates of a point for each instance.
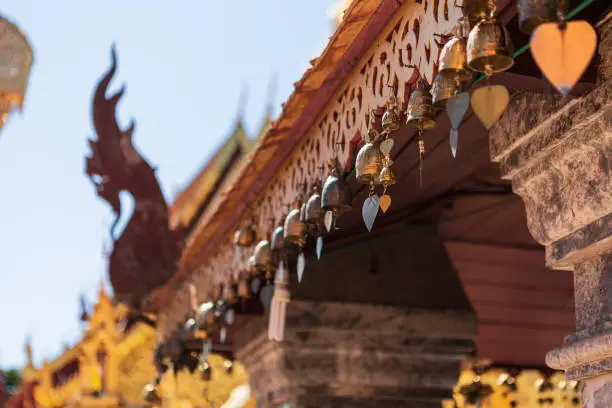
(192, 201)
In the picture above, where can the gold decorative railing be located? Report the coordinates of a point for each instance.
(503, 388)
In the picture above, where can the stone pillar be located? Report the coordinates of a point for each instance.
(350, 355)
(558, 154)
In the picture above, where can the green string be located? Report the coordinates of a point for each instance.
(525, 47)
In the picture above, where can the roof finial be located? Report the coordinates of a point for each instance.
(28, 351)
(242, 101)
(84, 308)
(271, 94)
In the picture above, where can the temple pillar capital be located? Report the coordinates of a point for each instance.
(558, 155)
(355, 355)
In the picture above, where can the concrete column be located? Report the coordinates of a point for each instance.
(558, 154)
(350, 355)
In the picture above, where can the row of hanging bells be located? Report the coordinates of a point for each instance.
(309, 217)
(479, 44)
(486, 48)
(562, 50)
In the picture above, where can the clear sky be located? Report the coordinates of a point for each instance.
(184, 63)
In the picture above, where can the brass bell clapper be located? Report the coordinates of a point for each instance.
(420, 116)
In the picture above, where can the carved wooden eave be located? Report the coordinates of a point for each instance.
(311, 93)
(372, 46)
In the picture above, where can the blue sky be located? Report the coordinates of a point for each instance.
(184, 63)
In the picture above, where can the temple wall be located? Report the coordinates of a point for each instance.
(408, 39)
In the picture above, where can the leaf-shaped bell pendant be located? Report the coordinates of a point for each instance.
(489, 47)
(391, 118)
(532, 13)
(453, 57)
(294, 230)
(369, 159)
(420, 110)
(443, 89)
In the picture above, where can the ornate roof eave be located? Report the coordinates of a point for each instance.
(363, 21)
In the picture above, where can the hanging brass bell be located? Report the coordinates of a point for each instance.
(489, 47)
(453, 60)
(277, 244)
(243, 289)
(369, 159)
(391, 118)
(191, 361)
(158, 360)
(230, 292)
(205, 316)
(444, 88)
(313, 213)
(387, 178)
(420, 110)
(277, 241)
(262, 256)
(205, 371)
(150, 394)
(244, 236)
(295, 230)
(174, 350)
(476, 10)
(336, 195)
(532, 13)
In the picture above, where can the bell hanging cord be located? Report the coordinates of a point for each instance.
(421, 157)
